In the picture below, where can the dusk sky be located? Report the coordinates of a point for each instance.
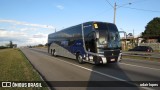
(28, 22)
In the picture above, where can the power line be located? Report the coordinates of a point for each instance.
(115, 8)
(142, 9)
(119, 6)
(110, 4)
(138, 1)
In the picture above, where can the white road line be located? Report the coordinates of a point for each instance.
(146, 88)
(140, 66)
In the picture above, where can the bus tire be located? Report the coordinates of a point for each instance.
(53, 53)
(79, 58)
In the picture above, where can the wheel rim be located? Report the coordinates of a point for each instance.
(80, 59)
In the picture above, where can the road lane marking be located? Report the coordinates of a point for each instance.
(103, 74)
(140, 66)
(92, 70)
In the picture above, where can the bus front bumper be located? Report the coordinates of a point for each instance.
(108, 57)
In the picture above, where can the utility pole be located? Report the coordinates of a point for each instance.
(115, 8)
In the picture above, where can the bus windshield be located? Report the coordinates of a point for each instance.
(108, 34)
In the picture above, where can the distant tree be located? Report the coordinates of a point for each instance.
(3, 47)
(152, 30)
(46, 44)
(40, 45)
(10, 44)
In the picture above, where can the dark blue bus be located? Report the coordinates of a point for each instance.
(93, 42)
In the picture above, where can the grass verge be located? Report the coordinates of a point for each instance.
(142, 58)
(14, 66)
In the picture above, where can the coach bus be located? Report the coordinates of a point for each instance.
(93, 42)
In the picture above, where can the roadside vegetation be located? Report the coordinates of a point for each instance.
(14, 66)
(141, 58)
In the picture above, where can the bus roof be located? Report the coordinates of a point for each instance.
(89, 22)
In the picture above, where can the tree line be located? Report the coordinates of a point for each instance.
(9, 45)
(152, 30)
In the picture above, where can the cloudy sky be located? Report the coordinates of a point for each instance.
(23, 33)
(28, 22)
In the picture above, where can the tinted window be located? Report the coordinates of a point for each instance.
(87, 29)
(103, 36)
(112, 28)
(90, 42)
(100, 26)
(69, 34)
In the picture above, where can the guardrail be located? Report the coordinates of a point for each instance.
(142, 54)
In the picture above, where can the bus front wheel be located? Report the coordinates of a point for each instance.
(79, 58)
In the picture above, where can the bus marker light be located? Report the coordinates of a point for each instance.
(95, 25)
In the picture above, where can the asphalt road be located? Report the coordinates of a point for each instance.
(65, 69)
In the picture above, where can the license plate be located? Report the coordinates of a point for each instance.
(112, 59)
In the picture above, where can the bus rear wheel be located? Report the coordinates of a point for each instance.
(53, 53)
(79, 58)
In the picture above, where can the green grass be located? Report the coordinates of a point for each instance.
(14, 66)
(141, 58)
